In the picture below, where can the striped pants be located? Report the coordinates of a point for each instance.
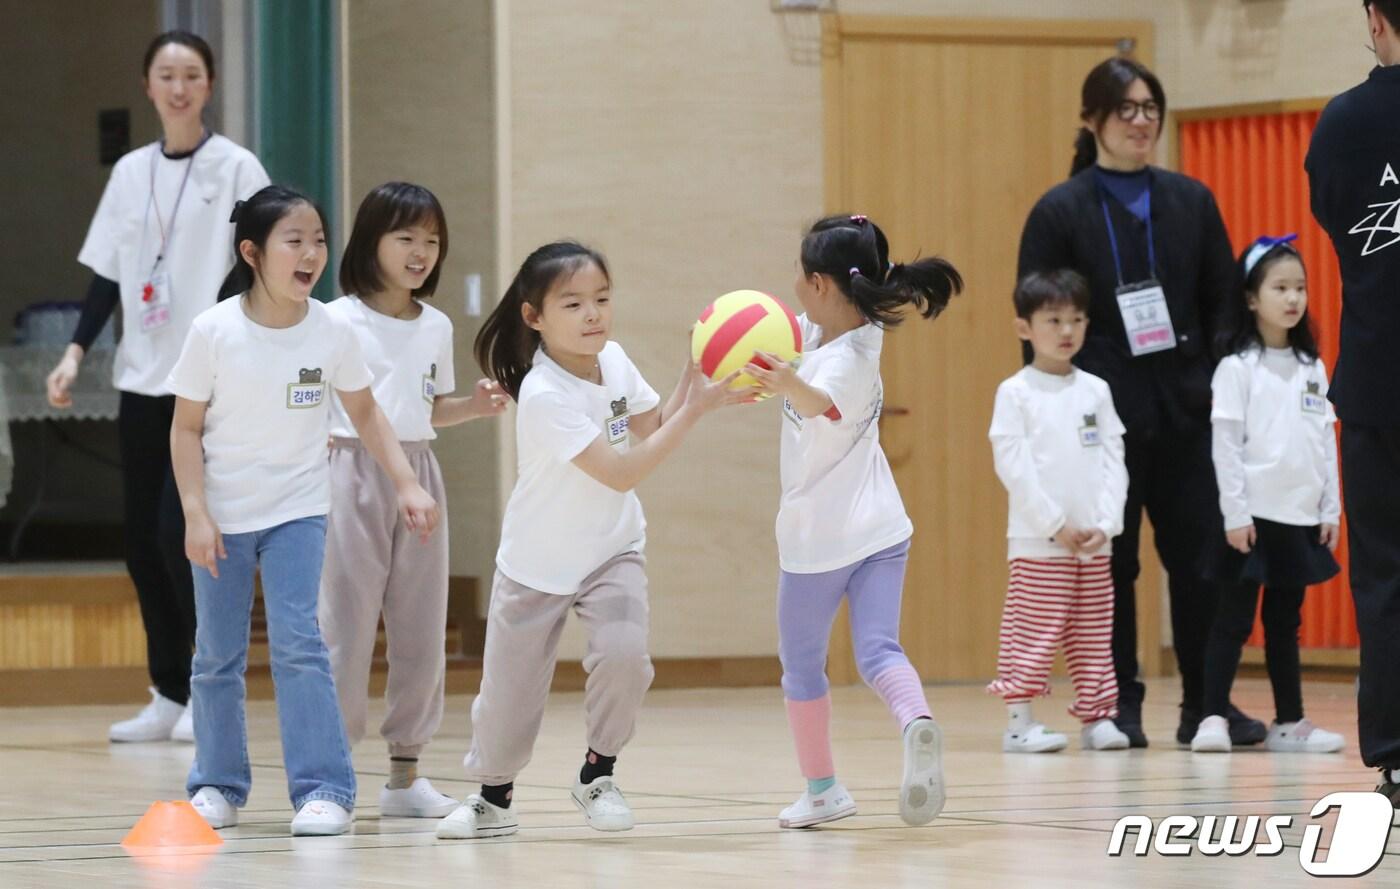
(1052, 603)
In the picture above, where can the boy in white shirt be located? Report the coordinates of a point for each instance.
(1058, 448)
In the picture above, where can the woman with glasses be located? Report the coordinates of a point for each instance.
(1159, 264)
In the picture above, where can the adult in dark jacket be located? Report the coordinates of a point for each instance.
(1154, 249)
(1353, 169)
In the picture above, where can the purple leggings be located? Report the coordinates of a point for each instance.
(807, 605)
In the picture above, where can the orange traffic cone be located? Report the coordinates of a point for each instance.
(169, 825)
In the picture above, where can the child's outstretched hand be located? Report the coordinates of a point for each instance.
(419, 510)
(204, 545)
(1330, 536)
(704, 394)
(488, 398)
(774, 375)
(1241, 539)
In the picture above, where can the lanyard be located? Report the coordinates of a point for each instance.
(1113, 238)
(167, 234)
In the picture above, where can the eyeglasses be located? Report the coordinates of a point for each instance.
(1128, 110)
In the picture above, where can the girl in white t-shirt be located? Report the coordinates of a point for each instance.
(158, 246)
(249, 448)
(1275, 457)
(588, 430)
(842, 528)
(374, 563)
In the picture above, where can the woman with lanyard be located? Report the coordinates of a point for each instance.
(159, 245)
(1159, 264)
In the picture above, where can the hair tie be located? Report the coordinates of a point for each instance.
(859, 218)
(855, 272)
(1263, 247)
(237, 211)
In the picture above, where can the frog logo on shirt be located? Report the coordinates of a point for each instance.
(619, 423)
(308, 391)
(1314, 402)
(430, 384)
(1089, 432)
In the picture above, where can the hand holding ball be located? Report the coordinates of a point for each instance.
(736, 327)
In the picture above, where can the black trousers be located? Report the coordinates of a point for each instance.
(155, 541)
(1170, 474)
(1371, 479)
(1234, 621)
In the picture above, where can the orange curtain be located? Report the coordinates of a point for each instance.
(1254, 165)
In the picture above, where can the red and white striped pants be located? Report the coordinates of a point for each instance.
(1051, 603)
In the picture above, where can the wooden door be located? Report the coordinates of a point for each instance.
(946, 132)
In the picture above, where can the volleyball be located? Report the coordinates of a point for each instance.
(738, 324)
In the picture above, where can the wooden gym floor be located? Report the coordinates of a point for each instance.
(706, 775)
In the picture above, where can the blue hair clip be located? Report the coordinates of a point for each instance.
(1260, 248)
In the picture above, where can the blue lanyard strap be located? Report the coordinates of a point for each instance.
(1113, 239)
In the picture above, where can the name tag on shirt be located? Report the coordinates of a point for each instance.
(1146, 318)
(1089, 436)
(429, 389)
(619, 423)
(792, 415)
(155, 304)
(304, 395)
(1314, 403)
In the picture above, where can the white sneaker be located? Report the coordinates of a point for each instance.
(1302, 737)
(417, 800)
(1035, 739)
(832, 804)
(184, 727)
(153, 723)
(1212, 736)
(1102, 735)
(214, 808)
(921, 793)
(321, 818)
(476, 818)
(602, 804)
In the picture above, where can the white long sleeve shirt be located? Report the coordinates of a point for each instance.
(1272, 441)
(1057, 444)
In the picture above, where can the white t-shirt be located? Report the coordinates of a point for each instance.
(561, 524)
(1285, 469)
(1057, 444)
(266, 424)
(125, 238)
(411, 361)
(839, 502)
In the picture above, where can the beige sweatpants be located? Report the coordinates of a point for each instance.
(522, 640)
(374, 565)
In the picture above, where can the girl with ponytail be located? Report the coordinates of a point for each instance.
(842, 528)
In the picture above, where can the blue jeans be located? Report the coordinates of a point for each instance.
(314, 749)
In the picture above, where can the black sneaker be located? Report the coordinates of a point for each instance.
(1186, 727)
(1129, 722)
(1136, 737)
(1390, 787)
(1245, 731)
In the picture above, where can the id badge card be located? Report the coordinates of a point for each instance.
(429, 389)
(1145, 318)
(155, 303)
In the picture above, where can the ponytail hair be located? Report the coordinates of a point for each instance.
(1105, 88)
(855, 254)
(253, 220)
(505, 346)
